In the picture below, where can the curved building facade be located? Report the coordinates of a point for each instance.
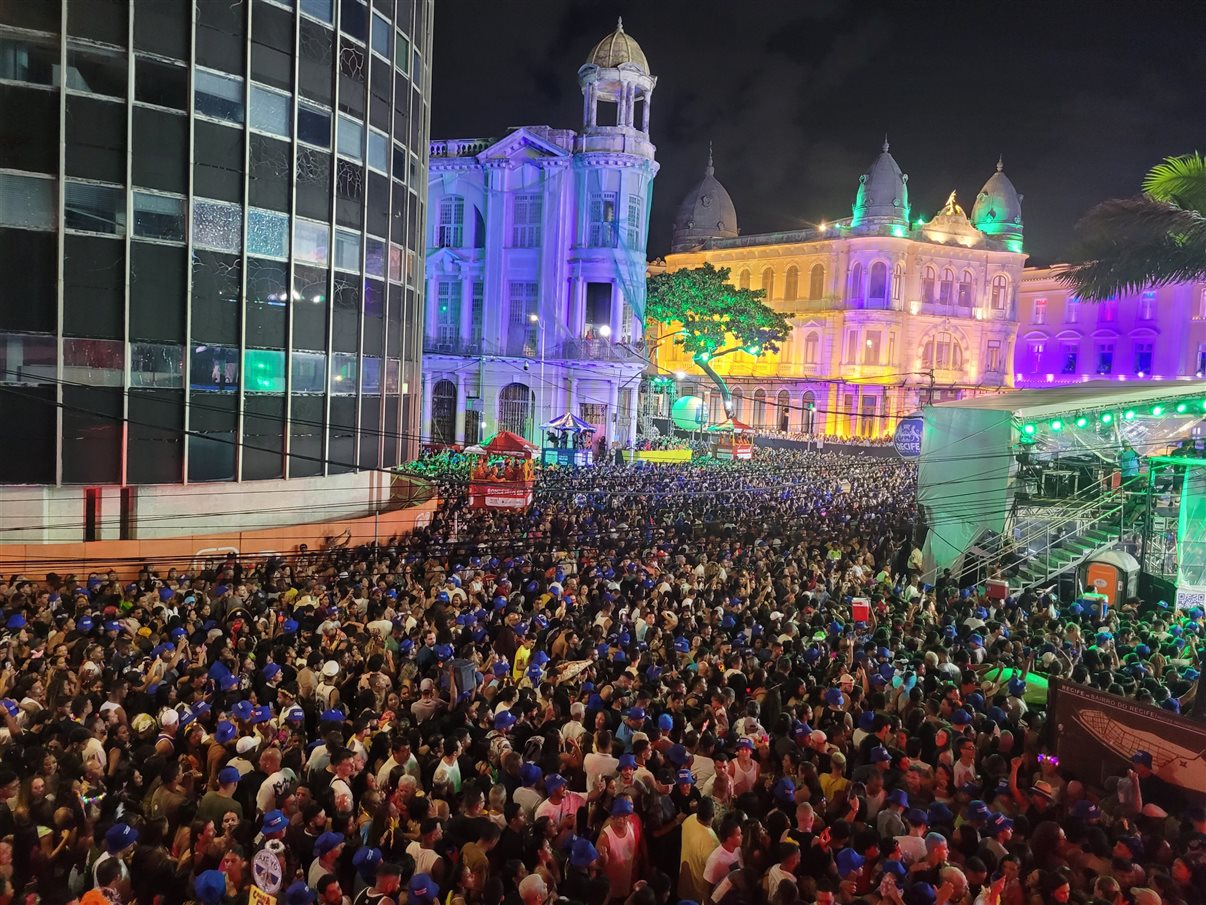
(211, 229)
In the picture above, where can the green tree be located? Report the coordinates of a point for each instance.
(1154, 238)
(716, 318)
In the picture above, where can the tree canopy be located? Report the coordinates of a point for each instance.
(1154, 238)
(712, 312)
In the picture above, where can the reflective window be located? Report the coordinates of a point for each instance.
(271, 111)
(311, 242)
(374, 258)
(156, 365)
(161, 84)
(26, 201)
(267, 233)
(264, 371)
(381, 34)
(219, 96)
(94, 208)
(158, 217)
(402, 53)
(314, 125)
(343, 374)
(95, 362)
(30, 60)
(347, 250)
(395, 263)
(309, 370)
(378, 151)
(353, 19)
(96, 72)
(217, 225)
(393, 375)
(319, 9)
(28, 359)
(370, 375)
(351, 138)
(214, 368)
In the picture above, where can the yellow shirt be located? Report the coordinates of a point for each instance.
(699, 842)
(833, 786)
(520, 668)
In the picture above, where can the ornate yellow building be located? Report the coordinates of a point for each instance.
(887, 313)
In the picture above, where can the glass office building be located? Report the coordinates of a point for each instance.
(211, 228)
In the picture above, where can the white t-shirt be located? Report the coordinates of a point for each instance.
(720, 862)
(597, 765)
(570, 805)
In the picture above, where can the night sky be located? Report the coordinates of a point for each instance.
(1080, 97)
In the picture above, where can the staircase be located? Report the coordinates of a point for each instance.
(1059, 539)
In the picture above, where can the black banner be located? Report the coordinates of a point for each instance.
(1097, 733)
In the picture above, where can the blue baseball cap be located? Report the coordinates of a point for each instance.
(622, 806)
(422, 890)
(210, 887)
(225, 732)
(327, 842)
(274, 822)
(120, 836)
(785, 789)
(848, 861)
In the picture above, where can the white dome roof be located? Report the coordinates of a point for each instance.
(883, 193)
(998, 207)
(706, 213)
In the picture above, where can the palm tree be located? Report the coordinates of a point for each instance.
(1151, 239)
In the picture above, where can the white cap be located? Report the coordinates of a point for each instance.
(247, 743)
(169, 718)
(330, 669)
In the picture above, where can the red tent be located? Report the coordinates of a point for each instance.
(505, 443)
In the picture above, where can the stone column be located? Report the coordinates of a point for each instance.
(425, 427)
(571, 394)
(645, 112)
(466, 327)
(613, 409)
(461, 401)
(632, 412)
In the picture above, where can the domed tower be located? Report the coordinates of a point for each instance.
(707, 212)
(998, 208)
(883, 195)
(617, 90)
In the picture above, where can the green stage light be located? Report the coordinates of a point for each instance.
(1057, 425)
(754, 349)
(1157, 410)
(1204, 405)
(1129, 414)
(1082, 421)
(1028, 430)
(1181, 408)
(1106, 417)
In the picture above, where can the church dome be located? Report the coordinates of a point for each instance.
(616, 49)
(706, 213)
(998, 207)
(883, 193)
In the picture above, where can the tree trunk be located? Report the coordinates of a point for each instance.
(725, 396)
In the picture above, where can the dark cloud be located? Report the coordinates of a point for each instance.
(1081, 98)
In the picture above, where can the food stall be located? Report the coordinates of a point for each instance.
(504, 475)
(734, 439)
(569, 441)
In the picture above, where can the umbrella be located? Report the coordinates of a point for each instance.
(729, 425)
(569, 422)
(475, 450)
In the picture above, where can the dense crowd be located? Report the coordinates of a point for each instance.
(649, 688)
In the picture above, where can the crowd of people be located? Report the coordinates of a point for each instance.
(647, 689)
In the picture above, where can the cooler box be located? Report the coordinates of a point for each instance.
(860, 609)
(997, 590)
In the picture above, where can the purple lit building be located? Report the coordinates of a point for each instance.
(1158, 333)
(536, 265)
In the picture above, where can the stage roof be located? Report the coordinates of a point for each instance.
(1096, 394)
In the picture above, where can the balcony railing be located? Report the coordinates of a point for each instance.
(527, 345)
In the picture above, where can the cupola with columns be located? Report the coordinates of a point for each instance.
(617, 90)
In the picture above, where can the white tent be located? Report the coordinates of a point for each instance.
(967, 466)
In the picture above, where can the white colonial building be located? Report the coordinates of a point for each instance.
(888, 312)
(536, 265)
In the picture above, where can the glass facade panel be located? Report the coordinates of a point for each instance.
(94, 208)
(370, 375)
(267, 233)
(26, 202)
(158, 217)
(30, 60)
(351, 138)
(347, 250)
(374, 258)
(264, 371)
(94, 362)
(27, 358)
(217, 95)
(319, 9)
(156, 365)
(217, 225)
(311, 242)
(96, 72)
(271, 111)
(214, 368)
(343, 374)
(309, 370)
(314, 125)
(378, 151)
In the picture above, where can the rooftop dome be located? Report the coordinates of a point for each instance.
(707, 212)
(883, 194)
(616, 49)
(998, 207)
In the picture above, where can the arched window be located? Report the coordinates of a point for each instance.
(808, 412)
(791, 283)
(450, 227)
(768, 284)
(878, 290)
(856, 282)
(743, 280)
(783, 403)
(965, 289)
(897, 281)
(737, 403)
(812, 348)
(942, 350)
(443, 413)
(816, 281)
(946, 292)
(759, 408)
(928, 279)
(515, 404)
(1000, 292)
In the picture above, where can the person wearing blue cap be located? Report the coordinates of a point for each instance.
(327, 849)
(562, 805)
(216, 803)
(120, 839)
(210, 887)
(618, 846)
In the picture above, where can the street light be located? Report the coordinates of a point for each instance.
(605, 331)
(535, 319)
(680, 375)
